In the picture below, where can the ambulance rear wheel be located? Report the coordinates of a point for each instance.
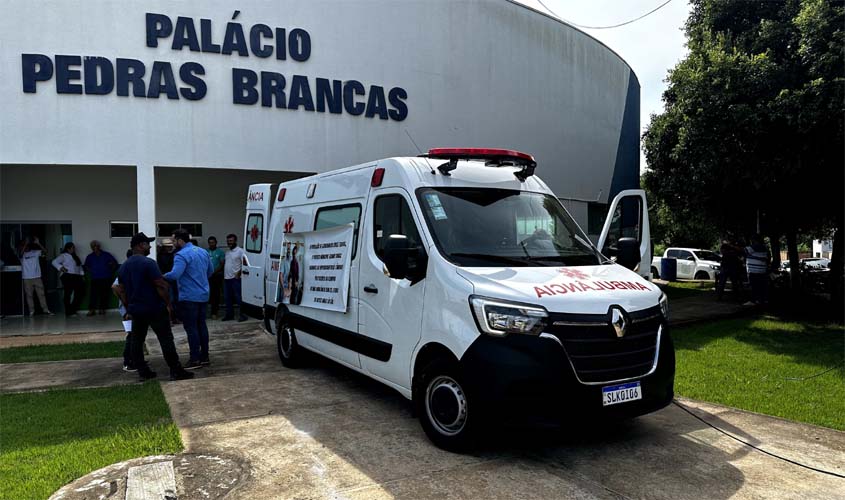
(445, 407)
(289, 351)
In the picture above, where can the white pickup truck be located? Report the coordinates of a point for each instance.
(693, 263)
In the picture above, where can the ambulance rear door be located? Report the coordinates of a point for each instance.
(258, 204)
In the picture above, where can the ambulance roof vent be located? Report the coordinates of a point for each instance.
(491, 156)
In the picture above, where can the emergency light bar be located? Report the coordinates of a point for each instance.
(492, 156)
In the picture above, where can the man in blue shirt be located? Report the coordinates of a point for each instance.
(100, 265)
(191, 269)
(147, 298)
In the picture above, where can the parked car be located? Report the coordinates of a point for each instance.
(693, 263)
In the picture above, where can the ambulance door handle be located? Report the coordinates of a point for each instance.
(371, 289)
(245, 272)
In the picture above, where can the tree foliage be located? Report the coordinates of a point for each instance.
(753, 122)
(754, 116)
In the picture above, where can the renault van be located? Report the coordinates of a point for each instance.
(458, 279)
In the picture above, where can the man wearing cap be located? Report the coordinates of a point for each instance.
(145, 293)
(191, 269)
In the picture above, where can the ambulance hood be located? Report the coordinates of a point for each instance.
(585, 290)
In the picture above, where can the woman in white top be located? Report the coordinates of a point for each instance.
(72, 276)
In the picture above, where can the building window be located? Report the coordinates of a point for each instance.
(127, 229)
(339, 216)
(165, 229)
(122, 229)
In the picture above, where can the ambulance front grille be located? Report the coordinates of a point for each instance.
(597, 355)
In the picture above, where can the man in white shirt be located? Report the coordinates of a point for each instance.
(232, 278)
(31, 274)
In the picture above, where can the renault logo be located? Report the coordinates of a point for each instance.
(619, 321)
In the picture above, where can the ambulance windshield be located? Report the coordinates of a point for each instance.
(480, 227)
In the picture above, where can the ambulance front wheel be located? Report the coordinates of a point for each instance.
(289, 351)
(445, 407)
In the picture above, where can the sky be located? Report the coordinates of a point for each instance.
(651, 46)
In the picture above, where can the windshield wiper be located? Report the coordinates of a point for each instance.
(495, 258)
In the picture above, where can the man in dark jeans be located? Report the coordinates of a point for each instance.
(217, 256)
(100, 265)
(145, 293)
(191, 270)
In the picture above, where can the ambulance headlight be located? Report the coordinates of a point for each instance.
(664, 305)
(499, 318)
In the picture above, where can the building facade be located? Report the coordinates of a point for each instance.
(149, 115)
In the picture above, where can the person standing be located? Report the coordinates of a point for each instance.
(164, 257)
(31, 274)
(757, 262)
(191, 270)
(128, 365)
(72, 276)
(143, 289)
(730, 268)
(101, 266)
(232, 278)
(218, 257)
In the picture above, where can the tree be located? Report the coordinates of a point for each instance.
(752, 132)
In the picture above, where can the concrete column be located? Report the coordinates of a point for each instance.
(146, 194)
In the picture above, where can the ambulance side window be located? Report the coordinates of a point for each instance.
(254, 233)
(338, 216)
(393, 216)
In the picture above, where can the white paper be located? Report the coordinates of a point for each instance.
(127, 326)
(317, 273)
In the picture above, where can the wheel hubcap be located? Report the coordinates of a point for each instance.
(446, 405)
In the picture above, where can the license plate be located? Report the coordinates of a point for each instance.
(615, 394)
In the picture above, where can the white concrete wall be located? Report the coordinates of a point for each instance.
(90, 197)
(477, 72)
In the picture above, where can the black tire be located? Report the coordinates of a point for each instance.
(702, 276)
(444, 406)
(290, 353)
(654, 273)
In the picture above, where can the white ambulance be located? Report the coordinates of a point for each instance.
(458, 279)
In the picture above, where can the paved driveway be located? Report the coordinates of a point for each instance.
(326, 432)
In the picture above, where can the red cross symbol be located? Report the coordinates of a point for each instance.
(253, 233)
(573, 273)
(289, 225)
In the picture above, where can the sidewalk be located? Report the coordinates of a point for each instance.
(704, 307)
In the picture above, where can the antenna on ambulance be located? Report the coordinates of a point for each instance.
(420, 152)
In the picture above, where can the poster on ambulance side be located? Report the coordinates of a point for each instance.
(314, 268)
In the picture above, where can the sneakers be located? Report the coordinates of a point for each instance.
(227, 318)
(129, 368)
(242, 318)
(193, 365)
(181, 374)
(146, 375)
(205, 362)
(91, 313)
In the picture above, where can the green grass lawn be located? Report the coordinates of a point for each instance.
(48, 439)
(751, 363)
(680, 289)
(57, 352)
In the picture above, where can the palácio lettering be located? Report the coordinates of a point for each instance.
(97, 75)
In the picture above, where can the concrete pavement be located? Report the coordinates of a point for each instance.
(327, 432)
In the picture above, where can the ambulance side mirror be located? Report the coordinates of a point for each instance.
(628, 253)
(404, 260)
